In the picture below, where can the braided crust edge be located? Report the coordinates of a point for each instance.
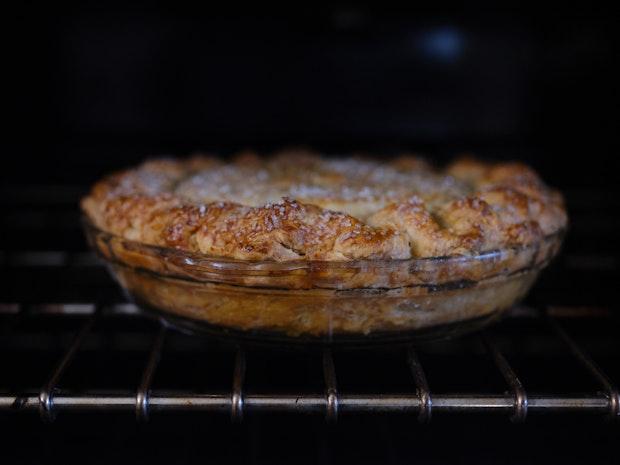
(506, 204)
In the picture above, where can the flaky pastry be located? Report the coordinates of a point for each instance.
(297, 205)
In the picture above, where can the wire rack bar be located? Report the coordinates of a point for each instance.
(332, 401)
(236, 398)
(611, 391)
(422, 389)
(313, 403)
(46, 395)
(143, 392)
(518, 392)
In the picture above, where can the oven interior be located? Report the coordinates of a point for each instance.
(87, 376)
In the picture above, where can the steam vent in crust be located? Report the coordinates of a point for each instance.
(297, 205)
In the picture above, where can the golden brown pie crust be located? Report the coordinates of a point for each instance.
(297, 205)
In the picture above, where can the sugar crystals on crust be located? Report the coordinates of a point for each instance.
(300, 206)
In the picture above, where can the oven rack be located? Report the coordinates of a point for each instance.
(61, 281)
(516, 402)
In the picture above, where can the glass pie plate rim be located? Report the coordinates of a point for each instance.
(235, 299)
(210, 268)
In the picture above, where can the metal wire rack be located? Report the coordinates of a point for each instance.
(517, 402)
(55, 284)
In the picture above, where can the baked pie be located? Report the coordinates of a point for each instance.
(298, 206)
(301, 244)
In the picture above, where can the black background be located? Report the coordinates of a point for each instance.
(96, 87)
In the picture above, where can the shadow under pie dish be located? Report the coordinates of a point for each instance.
(299, 247)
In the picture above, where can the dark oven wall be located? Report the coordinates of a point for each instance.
(93, 89)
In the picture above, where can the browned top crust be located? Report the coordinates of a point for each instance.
(296, 205)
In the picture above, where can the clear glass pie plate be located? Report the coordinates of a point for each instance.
(310, 301)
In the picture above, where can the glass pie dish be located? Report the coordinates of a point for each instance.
(312, 301)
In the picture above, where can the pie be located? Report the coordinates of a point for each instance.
(300, 245)
(297, 205)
